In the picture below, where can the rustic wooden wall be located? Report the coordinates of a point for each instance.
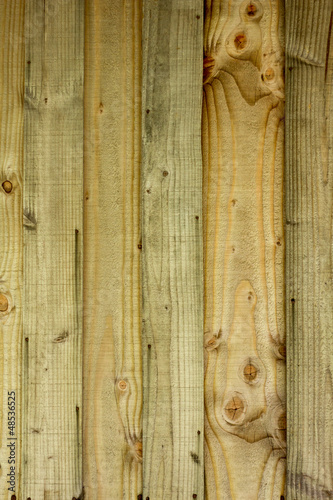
(148, 295)
(244, 250)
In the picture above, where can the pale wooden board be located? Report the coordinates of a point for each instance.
(172, 343)
(309, 298)
(52, 218)
(242, 136)
(112, 332)
(11, 167)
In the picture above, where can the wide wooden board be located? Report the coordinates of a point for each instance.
(243, 156)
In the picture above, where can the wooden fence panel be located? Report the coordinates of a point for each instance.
(243, 159)
(112, 246)
(52, 218)
(172, 342)
(309, 203)
(11, 167)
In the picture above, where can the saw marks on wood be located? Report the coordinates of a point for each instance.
(53, 246)
(309, 203)
(11, 167)
(172, 250)
(112, 460)
(242, 136)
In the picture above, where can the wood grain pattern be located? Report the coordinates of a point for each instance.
(52, 218)
(11, 167)
(172, 250)
(309, 197)
(112, 242)
(242, 135)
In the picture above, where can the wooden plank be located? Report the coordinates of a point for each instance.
(11, 168)
(52, 218)
(112, 242)
(242, 137)
(172, 250)
(309, 297)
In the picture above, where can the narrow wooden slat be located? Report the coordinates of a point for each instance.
(309, 203)
(112, 246)
(52, 218)
(242, 136)
(11, 163)
(172, 250)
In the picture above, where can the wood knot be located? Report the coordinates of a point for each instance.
(4, 304)
(235, 409)
(269, 74)
(122, 385)
(240, 41)
(251, 9)
(250, 372)
(7, 186)
(212, 341)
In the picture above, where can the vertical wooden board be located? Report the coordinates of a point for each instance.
(242, 136)
(112, 457)
(52, 218)
(11, 163)
(172, 250)
(309, 297)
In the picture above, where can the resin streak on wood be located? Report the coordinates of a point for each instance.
(242, 135)
(112, 328)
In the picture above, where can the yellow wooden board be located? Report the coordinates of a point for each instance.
(243, 156)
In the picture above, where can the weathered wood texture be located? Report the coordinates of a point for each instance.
(112, 243)
(11, 163)
(309, 298)
(52, 218)
(172, 250)
(243, 158)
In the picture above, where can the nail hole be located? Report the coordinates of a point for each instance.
(139, 246)
(165, 173)
(149, 346)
